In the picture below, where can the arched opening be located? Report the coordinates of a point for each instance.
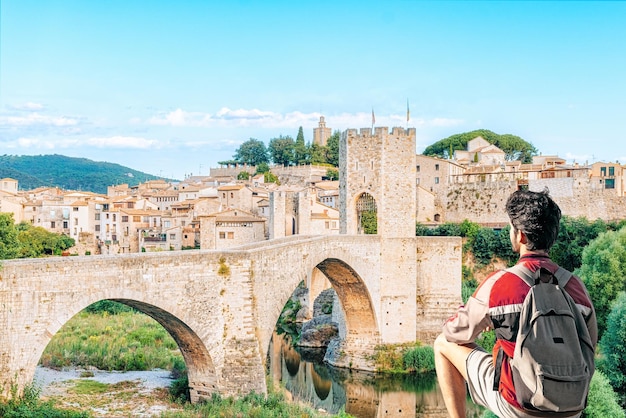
(367, 214)
(122, 335)
(336, 297)
(353, 296)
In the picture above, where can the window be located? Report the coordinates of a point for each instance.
(609, 183)
(603, 171)
(327, 224)
(166, 224)
(417, 168)
(436, 167)
(222, 235)
(611, 171)
(114, 216)
(436, 180)
(231, 195)
(124, 218)
(97, 216)
(75, 208)
(172, 237)
(136, 218)
(53, 225)
(97, 228)
(75, 221)
(231, 235)
(65, 225)
(223, 195)
(417, 181)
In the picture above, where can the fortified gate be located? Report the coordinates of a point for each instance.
(221, 307)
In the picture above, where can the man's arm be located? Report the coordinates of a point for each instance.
(472, 318)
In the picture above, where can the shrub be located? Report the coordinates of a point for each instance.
(602, 401)
(613, 352)
(108, 306)
(419, 359)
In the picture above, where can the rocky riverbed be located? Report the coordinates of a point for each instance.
(107, 394)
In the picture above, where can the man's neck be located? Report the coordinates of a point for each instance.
(529, 253)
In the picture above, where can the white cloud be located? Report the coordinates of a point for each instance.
(122, 142)
(117, 142)
(28, 106)
(229, 118)
(37, 119)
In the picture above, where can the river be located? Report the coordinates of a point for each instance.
(361, 394)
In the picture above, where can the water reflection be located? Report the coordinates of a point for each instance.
(361, 394)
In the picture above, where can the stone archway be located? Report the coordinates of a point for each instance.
(366, 214)
(361, 325)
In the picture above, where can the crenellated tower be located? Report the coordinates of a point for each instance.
(377, 174)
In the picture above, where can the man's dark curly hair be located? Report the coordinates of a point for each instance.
(536, 215)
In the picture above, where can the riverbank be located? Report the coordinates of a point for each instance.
(107, 394)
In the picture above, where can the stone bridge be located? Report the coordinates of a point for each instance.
(221, 307)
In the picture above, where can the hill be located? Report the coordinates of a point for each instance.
(32, 171)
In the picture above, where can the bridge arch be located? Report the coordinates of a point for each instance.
(200, 367)
(353, 295)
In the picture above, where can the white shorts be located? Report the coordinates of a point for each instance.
(480, 375)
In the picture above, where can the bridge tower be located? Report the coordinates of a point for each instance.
(377, 180)
(377, 174)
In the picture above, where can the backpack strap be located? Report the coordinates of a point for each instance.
(562, 275)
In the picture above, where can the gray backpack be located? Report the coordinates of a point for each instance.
(553, 360)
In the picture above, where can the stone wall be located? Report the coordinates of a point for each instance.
(438, 284)
(485, 202)
(478, 202)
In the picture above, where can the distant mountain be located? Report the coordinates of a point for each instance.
(67, 173)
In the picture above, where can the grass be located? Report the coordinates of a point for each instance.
(252, 405)
(125, 341)
(404, 358)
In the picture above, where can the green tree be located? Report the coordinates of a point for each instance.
(37, 241)
(603, 270)
(281, 150)
(332, 174)
(243, 175)
(483, 245)
(612, 348)
(332, 149)
(270, 177)
(317, 154)
(9, 245)
(300, 151)
(602, 401)
(252, 152)
(369, 222)
(574, 235)
(514, 147)
(262, 168)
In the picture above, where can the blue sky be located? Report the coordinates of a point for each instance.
(173, 87)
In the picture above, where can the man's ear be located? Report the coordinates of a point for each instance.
(523, 239)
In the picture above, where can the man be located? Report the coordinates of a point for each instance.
(496, 304)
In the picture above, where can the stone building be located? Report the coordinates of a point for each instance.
(230, 228)
(321, 133)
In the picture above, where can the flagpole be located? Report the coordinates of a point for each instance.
(407, 113)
